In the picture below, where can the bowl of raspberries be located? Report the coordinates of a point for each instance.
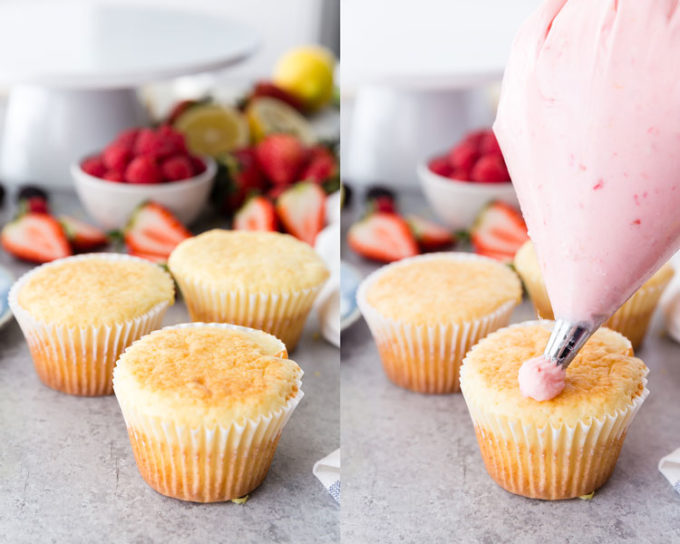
(460, 182)
(143, 164)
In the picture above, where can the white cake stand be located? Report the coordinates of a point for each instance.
(73, 69)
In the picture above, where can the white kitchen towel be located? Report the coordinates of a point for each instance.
(327, 470)
(670, 468)
(327, 304)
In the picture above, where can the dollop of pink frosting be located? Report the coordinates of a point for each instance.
(541, 379)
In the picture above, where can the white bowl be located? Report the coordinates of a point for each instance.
(110, 203)
(457, 203)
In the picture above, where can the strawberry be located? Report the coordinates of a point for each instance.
(158, 259)
(153, 230)
(114, 175)
(321, 165)
(94, 166)
(116, 156)
(383, 204)
(35, 204)
(498, 232)
(179, 108)
(384, 237)
(35, 237)
(430, 235)
(268, 89)
(176, 168)
(258, 213)
(83, 237)
(143, 169)
(490, 169)
(280, 157)
(440, 166)
(463, 156)
(244, 176)
(302, 210)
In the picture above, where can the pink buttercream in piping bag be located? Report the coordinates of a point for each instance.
(589, 124)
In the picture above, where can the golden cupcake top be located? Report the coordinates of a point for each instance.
(207, 375)
(442, 287)
(242, 260)
(526, 263)
(95, 290)
(603, 378)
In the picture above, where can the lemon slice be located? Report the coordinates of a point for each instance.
(212, 129)
(269, 115)
(307, 72)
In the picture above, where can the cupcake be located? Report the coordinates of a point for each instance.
(631, 319)
(426, 312)
(204, 405)
(79, 313)
(263, 280)
(561, 448)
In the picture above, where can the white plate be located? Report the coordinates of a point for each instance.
(6, 281)
(350, 278)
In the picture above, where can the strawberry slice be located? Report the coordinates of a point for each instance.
(83, 237)
(302, 210)
(498, 232)
(35, 237)
(430, 235)
(384, 237)
(158, 259)
(257, 213)
(153, 230)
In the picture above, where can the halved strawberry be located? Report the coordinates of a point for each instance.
(430, 235)
(302, 210)
(82, 236)
(498, 232)
(257, 213)
(35, 237)
(158, 259)
(383, 237)
(153, 230)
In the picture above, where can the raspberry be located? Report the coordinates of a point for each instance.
(145, 142)
(160, 144)
(490, 169)
(37, 205)
(94, 166)
(114, 175)
(475, 138)
(489, 145)
(463, 156)
(127, 138)
(197, 165)
(143, 170)
(176, 168)
(116, 157)
(440, 166)
(460, 174)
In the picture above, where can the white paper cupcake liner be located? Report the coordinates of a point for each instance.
(551, 462)
(80, 360)
(280, 314)
(426, 359)
(205, 463)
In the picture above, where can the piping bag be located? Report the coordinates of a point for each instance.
(589, 125)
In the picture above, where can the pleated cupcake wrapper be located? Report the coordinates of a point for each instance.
(280, 314)
(80, 360)
(555, 461)
(426, 358)
(631, 319)
(208, 463)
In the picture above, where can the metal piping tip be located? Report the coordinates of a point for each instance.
(566, 340)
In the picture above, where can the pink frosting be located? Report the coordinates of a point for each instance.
(541, 379)
(588, 122)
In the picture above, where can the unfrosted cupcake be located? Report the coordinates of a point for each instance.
(631, 319)
(263, 280)
(561, 448)
(426, 312)
(79, 313)
(204, 405)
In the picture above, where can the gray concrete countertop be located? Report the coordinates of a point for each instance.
(412, 471)
(67, 473)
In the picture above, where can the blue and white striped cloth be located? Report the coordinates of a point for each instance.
(327, 470)
(670, 468)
